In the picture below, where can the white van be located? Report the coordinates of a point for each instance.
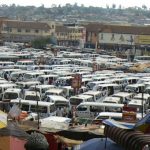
(76, 100)
(26, 85)
(69, 91)
(97, 95)
(32, 76)
(47, 79)
(91, 109)
(46, 109)
(111, 115)
(110, 99)
(41, 88)
(6, 64)
(17, 76)
(3, 87)
(55, 91)
(32, 95)
(12, 93)
(124, 96)
(135, 88)
(107, 89)
(59, 101)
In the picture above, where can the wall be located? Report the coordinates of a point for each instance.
(107, 38)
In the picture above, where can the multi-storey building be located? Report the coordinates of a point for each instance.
(25, 31)
(71, 35)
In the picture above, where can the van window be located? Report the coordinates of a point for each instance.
(33, 108)
(10, 95)
(32, 97)
(25, 107)
(82, 108)
(102, 117)
(42, 109)
(116, 118)
(96, 109)
(52, 108)
(75, 101)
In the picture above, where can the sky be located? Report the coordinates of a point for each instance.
(97, 3)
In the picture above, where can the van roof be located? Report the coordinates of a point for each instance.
(82, 96)
(54, 90)
(100, 104)
(33, 93)
(40, 103)
(7, 85)
(57, 97)
(114, 114)
(92, 92)
(13, 90)
(43, 86)
(122, 94)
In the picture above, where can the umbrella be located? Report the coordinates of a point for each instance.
(3, 119)
(98, 144)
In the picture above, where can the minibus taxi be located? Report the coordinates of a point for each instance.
(17, 75)
(46, 109)
(32, 95)
(111, 115)
(32, 76)
(59, 101)
(55, 91)
(136, 88)
(91, 109)
(69, 91)
(107, 89)
(6, 64)
(41, 88)
(97, 95)
(3, 87)
(124, 96)
(26, 85)
(47, 79)
(76, 100)
(12, 93)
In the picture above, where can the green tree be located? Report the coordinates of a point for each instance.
(41, 43)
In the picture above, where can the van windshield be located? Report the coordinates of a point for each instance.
(10, 95)
(25, 107)
(75, 101)
(32, 97)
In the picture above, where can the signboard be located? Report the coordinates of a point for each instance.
(142, 39)
(77, 81)
(129, 114)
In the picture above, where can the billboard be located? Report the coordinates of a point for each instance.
(142, 39)
(129, 114)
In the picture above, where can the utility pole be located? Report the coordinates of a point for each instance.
(37, 107)
(142, 101)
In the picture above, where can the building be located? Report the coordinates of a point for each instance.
(25, 31)
(71, 35)
(109, 36)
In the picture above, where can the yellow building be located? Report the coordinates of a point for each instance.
(25, 31)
